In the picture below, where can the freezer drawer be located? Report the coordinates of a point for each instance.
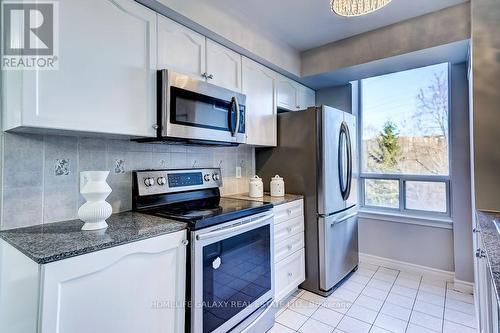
(338, 247)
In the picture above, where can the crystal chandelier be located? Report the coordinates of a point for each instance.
(356, 7)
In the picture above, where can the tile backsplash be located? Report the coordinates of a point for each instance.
(41, 172)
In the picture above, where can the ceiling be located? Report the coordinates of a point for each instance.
(305, 24)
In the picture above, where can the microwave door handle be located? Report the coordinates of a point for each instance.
(237, 116)
(230, 118)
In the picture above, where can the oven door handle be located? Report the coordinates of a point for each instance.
(232, 229)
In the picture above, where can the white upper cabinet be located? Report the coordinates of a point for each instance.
(293, 96)
(180, 48)
(106, 77)
(307, 97)
(223, 66)
(288, 94)
(259, 86)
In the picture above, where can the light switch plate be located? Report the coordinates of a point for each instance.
(238, 172)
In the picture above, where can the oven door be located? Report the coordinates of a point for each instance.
(196, 110)
(232, 274)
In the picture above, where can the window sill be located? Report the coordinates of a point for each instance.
(435, 222)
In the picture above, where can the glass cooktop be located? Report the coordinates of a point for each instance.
(207, 212)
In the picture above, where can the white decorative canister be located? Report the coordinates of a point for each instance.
(277, 186)
(255, 187)
(95, 190)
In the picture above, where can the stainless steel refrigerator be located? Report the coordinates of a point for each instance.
(316, 155)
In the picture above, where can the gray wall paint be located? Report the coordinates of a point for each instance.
(415, 244)
(461, 200)
(339, 97)
(486, 102)
(32, 193)
(445, 249)
(442, 27)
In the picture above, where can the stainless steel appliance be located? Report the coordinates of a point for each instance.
(316, 155)
(198, 112)
(230, 268)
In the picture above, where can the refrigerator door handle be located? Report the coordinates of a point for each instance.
(345, 148)
(345, 218)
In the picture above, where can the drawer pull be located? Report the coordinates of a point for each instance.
(289, 247)
(290, 274)
(289, 229)
(289, 211)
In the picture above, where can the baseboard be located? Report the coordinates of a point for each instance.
(406, 266)
(463, 286)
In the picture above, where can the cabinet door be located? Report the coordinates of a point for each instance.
(288, 94)
(137, 287)
(180, 48)
(289, 273)
(307, 97)
(107, 72)
(259, 86)
(223, 66)
(483, 286)
(106, 77)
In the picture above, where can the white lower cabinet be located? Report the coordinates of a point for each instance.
(485, 290)
(136, 287)
(290, 272)
(289, 252)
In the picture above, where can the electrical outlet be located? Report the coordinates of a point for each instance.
(238, 172)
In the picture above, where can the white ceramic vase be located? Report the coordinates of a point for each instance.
(95, 190)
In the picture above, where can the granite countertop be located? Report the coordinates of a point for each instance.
(491, 242)
(268, 198)
(61, 240)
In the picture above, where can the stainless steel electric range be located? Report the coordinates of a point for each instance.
(230, 271)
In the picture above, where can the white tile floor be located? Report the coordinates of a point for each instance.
(379, 300)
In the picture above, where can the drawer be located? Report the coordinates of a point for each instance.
(288, 228)
(287, 211)
(289, 273)
(288, 246)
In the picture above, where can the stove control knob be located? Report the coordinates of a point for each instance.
(215, 176)
(206, 177)
(161, 181)
(149, 181)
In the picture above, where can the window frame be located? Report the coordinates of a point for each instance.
(403, 178)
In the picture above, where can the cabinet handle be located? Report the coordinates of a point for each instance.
(210, 77)
(298, 107)
(289, 247)
(204, 75)
(290, 274)
(185, 242)
(155, 126)
(289, 229)
(476, 230)
(289, 211)
(480, 253)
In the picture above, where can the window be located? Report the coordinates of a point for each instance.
(405, 141)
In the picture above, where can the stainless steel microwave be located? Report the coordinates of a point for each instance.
(198, 112)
